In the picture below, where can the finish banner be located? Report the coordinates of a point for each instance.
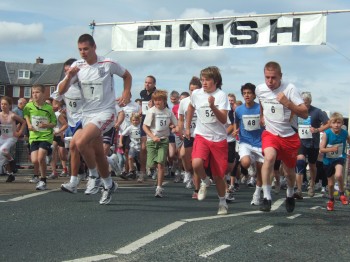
(250, 31)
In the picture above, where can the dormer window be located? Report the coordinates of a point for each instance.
(23, 74)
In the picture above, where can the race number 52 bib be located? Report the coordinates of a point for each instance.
(273, 110)
(37, 120)
(162, 123)
(337, 153)
(206, 115)
(92, 90)
(251, 122)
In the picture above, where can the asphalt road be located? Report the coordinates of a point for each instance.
(57, 226)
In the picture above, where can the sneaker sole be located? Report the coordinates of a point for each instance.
(92, 192)
(67, 190)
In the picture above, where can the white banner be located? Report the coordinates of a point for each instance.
(220, 33)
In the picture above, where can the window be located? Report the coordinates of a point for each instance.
(23, 74)
(27, 91)
(15, 92)
(2, 90)
(52, 89)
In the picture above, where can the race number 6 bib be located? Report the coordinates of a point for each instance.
(162, 123)
(92, 90)
(273, 110)
(6, 130)
(37, 120)
(144, 107)
(337, 153)
(304, 131)
(251, 122)
(206, 115)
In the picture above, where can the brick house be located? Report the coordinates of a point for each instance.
(17, 79)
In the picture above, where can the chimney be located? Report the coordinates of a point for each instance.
(39, 60)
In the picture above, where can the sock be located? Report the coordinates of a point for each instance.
(222, 200)
(257, 190)
(107, 182)
(267, 192)
(290, 191)
(74, 180)
(93, 172)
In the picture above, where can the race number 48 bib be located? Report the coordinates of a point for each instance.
(251, 122)
(92, 90)
(273, 110)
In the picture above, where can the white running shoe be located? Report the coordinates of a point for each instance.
(202, 193)
(229, 197)
(187, 177)
(251, 182)
(159, 192)
(53, 176)
(178, 176)
(252, 169)
(141, 177)
(107, 194)
(113, 162)
(34, 180)
(69, 187)
(256, 200)
(93, 185)
(41, 185)
(223, 209)
(189, 184)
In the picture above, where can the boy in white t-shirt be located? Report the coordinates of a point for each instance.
(157, 124)
(210, 144)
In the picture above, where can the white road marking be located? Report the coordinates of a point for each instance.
(315, 207)
(213, 251)
(277, 204)
(93, 258)
(29, 196)
(263, 229)
(149, 238)
(294, 216)
(218, 217)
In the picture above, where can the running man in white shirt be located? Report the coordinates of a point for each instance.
(280, 104)
(95, 77)
(210, 144)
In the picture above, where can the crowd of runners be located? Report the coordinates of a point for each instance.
(202, 137)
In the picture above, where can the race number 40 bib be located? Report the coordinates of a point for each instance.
(273, 110)
(92, 90)
(251, 122)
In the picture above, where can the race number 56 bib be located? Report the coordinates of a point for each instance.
(206, 115)
(273, 110)
(251, 122)
(37, 120)
(337, 153)
(162, 123)
(92, 90)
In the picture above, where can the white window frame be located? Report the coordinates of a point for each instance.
(26, 93)
(23, 74)
(16, 91)
(2, 90)
(52, 89)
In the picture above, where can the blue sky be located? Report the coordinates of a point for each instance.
(29, 29)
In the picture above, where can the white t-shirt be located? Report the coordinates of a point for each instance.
(278, 118)
(74, 103)
(134, 132)
(158, 121)
(129, 109)
(183, 111)
(207, 125)
(97, 85)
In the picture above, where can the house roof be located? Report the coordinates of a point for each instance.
(46, 74)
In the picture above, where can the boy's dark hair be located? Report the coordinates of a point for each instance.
(213, 72)
(69, 62)
(196, 82)
(86, 38)
(248, 86)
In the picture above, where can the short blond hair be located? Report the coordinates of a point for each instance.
(336, 117)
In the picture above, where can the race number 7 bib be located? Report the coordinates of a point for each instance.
(273, 110)
(162, 123)
(251, 122)
(206, 115)
(92, 90)
(37, 120)
(337, 153)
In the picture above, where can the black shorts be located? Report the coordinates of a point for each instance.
(108, 136)
(277, 165)
(231, 151)
(311, 153)
(59, 141)
(143, 133)
(35, 145)
(188, 142)
(172, 139)
(330, 169)
(126, 142)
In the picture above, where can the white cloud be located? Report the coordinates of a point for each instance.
(13, 33)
